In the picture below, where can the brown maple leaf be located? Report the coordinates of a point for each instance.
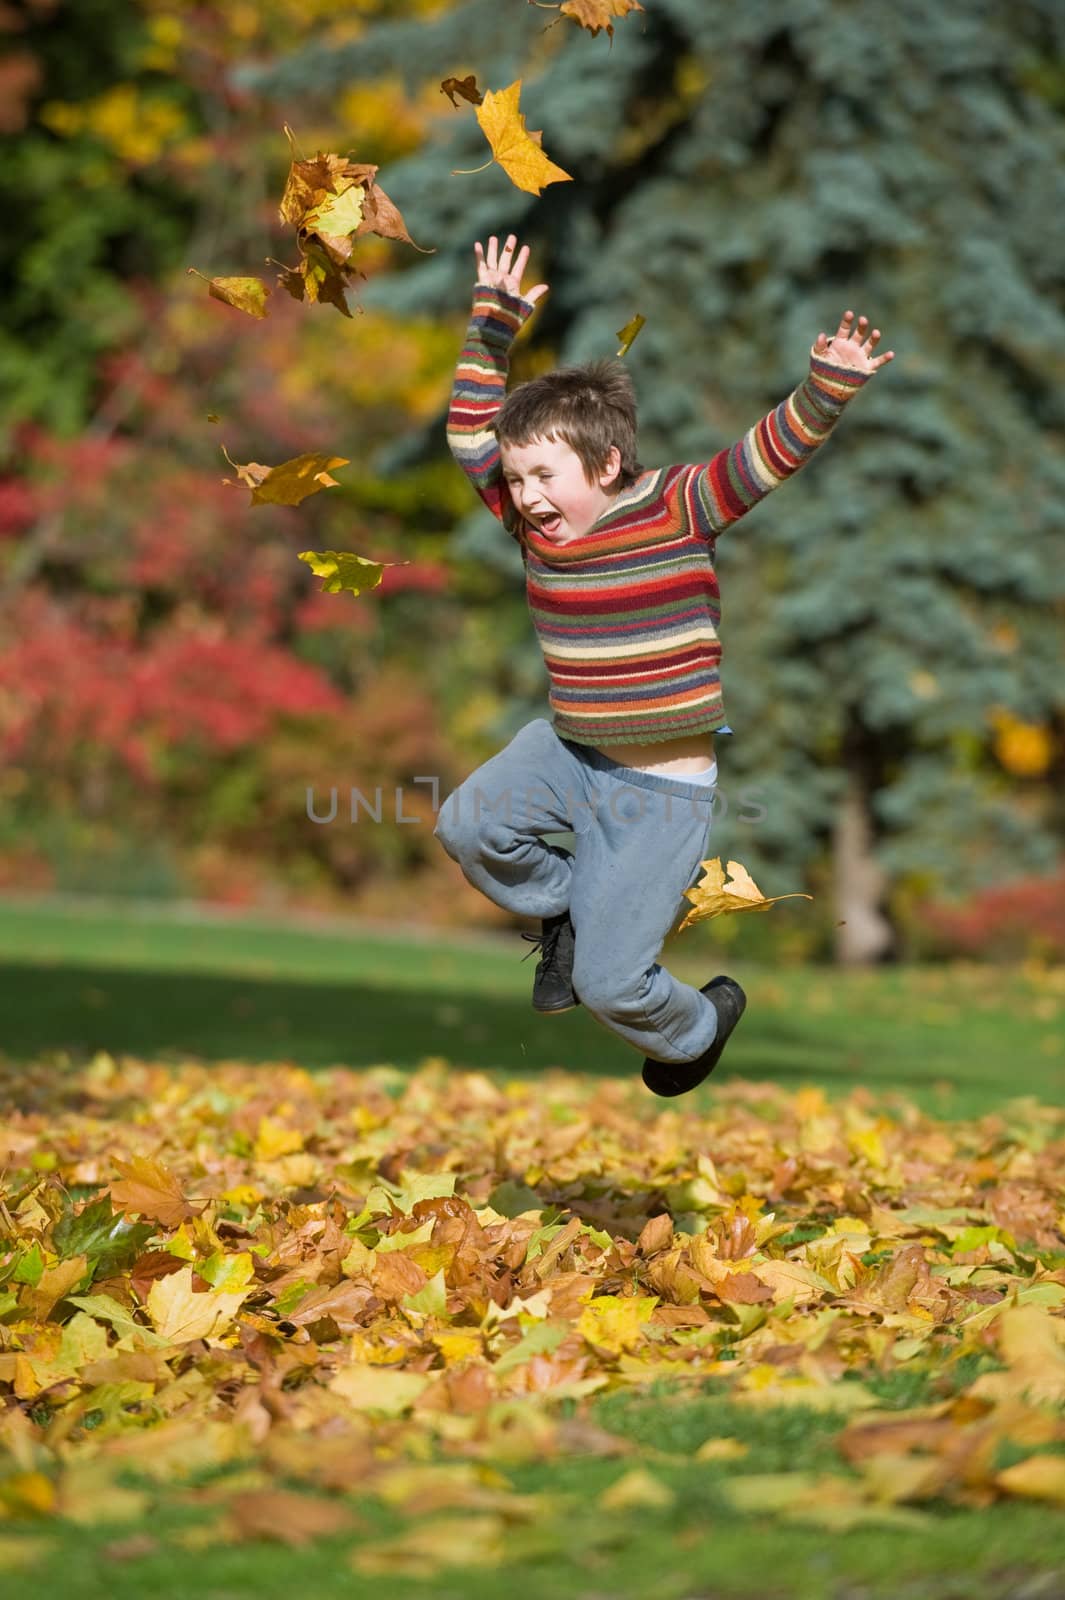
(466, 87)
(150, 1189)
(331, 202)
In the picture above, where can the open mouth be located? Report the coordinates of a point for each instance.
(550, 524)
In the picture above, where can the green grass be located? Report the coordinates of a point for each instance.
(958, 1041)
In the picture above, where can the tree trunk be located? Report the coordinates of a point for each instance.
(864, 934)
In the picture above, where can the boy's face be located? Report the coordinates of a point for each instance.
(549, 489)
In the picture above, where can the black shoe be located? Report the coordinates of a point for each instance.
(677, 1077)
(553, 985)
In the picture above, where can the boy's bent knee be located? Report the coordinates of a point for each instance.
(608, 994)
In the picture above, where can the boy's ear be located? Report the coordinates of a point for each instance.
(611, 467)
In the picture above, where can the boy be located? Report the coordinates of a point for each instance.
(621, 590)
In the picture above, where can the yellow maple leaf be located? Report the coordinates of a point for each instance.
(616, 1322)
(596, 14)
(516, 149)
(287, 484)
(180, 1313)
(712, 896)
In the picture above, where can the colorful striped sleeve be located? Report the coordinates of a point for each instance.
(479, 390)
(723, 490)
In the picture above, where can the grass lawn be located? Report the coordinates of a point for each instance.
(959, 1042)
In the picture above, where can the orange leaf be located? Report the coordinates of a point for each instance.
(150, 1189)
(596, 14)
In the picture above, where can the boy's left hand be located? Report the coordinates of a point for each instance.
(850, 346)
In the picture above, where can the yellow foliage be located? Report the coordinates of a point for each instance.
(1025, 749)
(137, 127)
(381, 116)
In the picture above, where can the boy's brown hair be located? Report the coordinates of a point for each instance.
(590, 407)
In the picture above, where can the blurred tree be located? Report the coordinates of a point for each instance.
(743, 174)
(164, 658)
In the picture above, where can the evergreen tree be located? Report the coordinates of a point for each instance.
(741, 175)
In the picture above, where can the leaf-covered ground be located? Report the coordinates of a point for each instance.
(290, 1297)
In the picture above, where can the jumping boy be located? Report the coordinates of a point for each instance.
(622, 592)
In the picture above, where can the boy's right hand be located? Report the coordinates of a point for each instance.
(501, 269)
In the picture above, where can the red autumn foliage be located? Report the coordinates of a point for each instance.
(65, 686)
(1025, 917)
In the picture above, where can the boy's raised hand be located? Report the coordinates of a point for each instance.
(502, 269)
(850, 346)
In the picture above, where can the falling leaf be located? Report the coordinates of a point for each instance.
(628, 333)
(331, 202)
(466, 87)
(596, 14)
(246, 294)
(288, 484)
(712, 896)
(516, 150)
(343, 572)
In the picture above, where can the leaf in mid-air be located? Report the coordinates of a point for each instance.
(712, 896)
(597, 14)
(338, 216)
(340, 570)
(466, 87)
(628, 333)
(516, 149)
(246, 294)
(287, 484)
(331, 202)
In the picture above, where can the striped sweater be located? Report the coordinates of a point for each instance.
(627, 615)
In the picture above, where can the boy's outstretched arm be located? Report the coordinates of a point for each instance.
(500, 308)
(784, 440)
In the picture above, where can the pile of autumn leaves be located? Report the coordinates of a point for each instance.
(330, 1278)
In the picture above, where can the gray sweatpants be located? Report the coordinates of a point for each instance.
(638, 841)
